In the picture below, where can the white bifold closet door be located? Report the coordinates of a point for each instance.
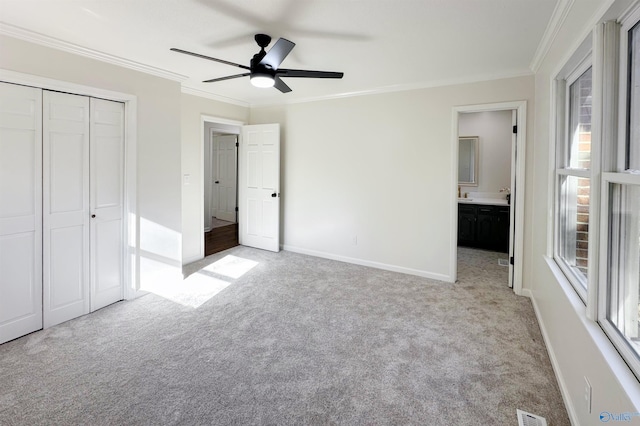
(61, 207)
(20, 210)
(65, 138)
(106, 202)
(82, 205)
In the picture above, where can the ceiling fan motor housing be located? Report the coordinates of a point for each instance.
(258, 69)
(263, 40)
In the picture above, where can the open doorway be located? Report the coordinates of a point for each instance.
(489, 205)
(220, 186)
(257, 174)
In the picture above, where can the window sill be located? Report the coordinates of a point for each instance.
(619, 369)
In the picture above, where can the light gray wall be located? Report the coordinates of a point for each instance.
(576, 345)
(369, 179)
(495, 132)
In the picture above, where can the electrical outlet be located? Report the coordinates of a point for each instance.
(355, 240)
(587, 394)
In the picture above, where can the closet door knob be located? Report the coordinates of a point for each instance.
(93, 216)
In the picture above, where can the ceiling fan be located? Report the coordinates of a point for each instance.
(264, 71)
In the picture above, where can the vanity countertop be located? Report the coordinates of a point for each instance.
(484, 201)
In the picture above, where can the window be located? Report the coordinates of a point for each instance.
(623, 290)
(573, 179)
(597, 180)
(620, 312)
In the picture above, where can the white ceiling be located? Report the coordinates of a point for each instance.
(380, 45)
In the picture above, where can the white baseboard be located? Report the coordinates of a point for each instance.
(526, 293)
(566, 397)
(134, 294)
(372, 264)
(190, 259)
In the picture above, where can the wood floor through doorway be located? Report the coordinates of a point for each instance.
(220, 238)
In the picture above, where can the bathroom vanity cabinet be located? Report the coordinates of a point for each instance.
(483, 226)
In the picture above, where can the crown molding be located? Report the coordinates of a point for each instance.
(37, 38)
(203, 94)
(400, 88)
(43, 40)
(555, 23)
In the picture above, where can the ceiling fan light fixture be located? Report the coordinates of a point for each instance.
(262, 80)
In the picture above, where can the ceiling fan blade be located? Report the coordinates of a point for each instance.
(222, 61)
(281, 85)
(277, 53)
(283, 72)
(229, 77)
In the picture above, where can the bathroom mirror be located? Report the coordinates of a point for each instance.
(468, 160)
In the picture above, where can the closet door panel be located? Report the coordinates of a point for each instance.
(107, 195)
(17, 261)
(66, 206)
(66, 185)
(17, 174)
(108, 262)
(66, 270)
(20, 211)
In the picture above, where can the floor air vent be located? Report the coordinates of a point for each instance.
(503, 262)
(528, 419)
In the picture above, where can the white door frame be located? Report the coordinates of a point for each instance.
(213, 196)
(131, 229)
(225, 123)
(517, 193)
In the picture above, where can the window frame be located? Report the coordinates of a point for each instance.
(617, 174)
(631, 356)
(562, 169)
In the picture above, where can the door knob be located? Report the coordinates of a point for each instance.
(93, 216)
(217, 181)
(274, 195)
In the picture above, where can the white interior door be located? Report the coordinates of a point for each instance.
(213, 176)
(259, 187)
(226, 177)
(20, 211)
(106, 201)
(65, 206)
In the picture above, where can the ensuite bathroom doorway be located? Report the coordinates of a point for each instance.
(489, 200)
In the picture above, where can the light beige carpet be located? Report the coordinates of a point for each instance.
(287, 339)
